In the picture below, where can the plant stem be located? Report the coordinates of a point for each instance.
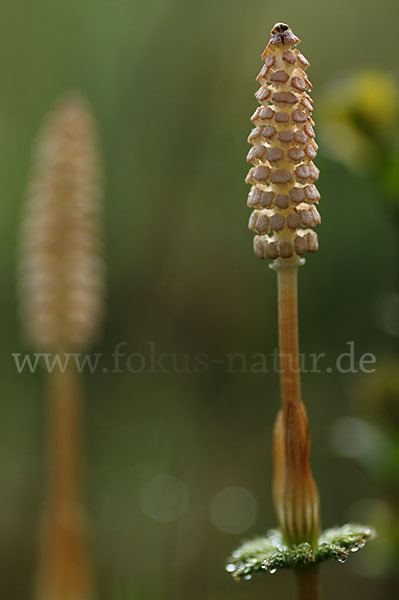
(65, 436)
(307, 577)
(288, 336)
(64, 566)
(307, 582)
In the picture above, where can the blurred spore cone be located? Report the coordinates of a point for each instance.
(61, 265)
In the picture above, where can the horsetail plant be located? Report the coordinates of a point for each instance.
(61, 289)
(284, 197)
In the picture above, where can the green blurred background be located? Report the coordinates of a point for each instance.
(178, 465)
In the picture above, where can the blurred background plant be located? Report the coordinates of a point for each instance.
(360, 113)
(169, 81)
(61, 297)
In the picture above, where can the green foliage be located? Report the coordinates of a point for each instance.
(267, 554)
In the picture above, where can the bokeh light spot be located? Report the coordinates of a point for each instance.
(164, 498)
(234, 510)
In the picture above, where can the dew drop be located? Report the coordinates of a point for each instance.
(272, 570)
(341, 559)
(354, 548)
(230, 568)
(248, 577)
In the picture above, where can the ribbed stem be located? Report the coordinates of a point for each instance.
(307, 582)
(288, 336)
(64, 565)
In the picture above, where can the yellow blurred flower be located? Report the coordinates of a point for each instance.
(359, 116)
